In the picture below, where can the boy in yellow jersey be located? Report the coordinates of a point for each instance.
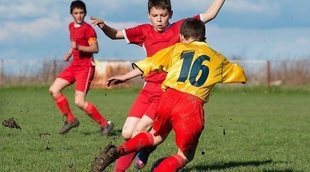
(193, 69)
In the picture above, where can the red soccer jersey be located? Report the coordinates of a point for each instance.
(82, 35)
(145, 35)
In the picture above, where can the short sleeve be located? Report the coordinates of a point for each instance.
(135, 35)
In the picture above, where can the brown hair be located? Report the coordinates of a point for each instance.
(162, 4)
(193, 28)
(78, 4)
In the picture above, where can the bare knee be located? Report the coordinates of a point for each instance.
(80, 103)
(142, 127)
(54, 93)
(126, 134)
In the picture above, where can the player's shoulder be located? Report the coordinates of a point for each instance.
(71, 24)
(180, 21)
(87, 25)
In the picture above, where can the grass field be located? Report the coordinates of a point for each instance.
(247, 129)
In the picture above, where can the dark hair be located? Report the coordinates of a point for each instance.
(163, 4)
(193, 28)
(78, 4)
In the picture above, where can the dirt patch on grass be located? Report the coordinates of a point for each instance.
(11, 123)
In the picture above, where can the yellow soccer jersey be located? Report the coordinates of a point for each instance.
(193, 68)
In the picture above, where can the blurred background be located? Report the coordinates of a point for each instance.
(270, 39)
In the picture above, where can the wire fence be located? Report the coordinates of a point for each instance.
(43, 72)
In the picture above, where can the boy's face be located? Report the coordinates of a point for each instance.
(159, 18)
(78, 15)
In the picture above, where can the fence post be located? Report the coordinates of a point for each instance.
(1, 72)
(53, 70)
(268, 70)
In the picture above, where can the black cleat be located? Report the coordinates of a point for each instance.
(107, 130)
(68, 126)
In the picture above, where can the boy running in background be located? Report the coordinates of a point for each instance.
(193, 69)
(81, 71)
(153, 37)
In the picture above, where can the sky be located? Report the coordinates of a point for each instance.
(246, 29)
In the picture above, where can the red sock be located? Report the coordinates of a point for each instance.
(123, 163)
(134, 144)
(172, 163)
(63, 105)
(92, 111)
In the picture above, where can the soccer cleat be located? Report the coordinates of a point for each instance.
(143, 156)
(141, 160)
(139, 164)
(107, 130)
(68, 126)
(105, 158)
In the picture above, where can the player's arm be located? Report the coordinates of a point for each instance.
(112, 33)
(232, 72)
(92, 48)
(160, 61)
(117, 79)
(212, 10)
(68, 55)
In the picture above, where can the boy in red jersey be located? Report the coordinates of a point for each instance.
(80, 70)
(153, 37)
(193, 69)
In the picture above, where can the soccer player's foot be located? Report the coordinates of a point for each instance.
(105, 131)
(141, 160)
(68, 126)
(107, 156)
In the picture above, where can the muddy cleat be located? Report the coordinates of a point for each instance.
(105, 158)
(107, 130)
(68, 126)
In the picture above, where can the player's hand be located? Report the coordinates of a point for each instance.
(97, 21)
(116, 80)
(67, 56)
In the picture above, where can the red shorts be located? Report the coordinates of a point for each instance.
(147, 101)
(184, 114)
(81, 75)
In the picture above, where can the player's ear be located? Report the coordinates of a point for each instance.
(181, 37)
(170, 15)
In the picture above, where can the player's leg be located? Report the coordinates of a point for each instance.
(188, 123)
(145, 124)
(124, 162)
(92, 111)
(111, 152)
(186, 152)
(129, 127)
(136, 121)
(84, 77)
(172, 163)
(63, 104)
(134, 117)
(142, 140)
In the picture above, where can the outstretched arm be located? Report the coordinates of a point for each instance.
(109, 31)
(117, 79)
(212, 10)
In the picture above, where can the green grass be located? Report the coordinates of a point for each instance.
(265, 130)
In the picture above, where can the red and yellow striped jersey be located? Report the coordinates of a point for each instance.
(193, 68)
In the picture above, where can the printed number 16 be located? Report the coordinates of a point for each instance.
(195, 68)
